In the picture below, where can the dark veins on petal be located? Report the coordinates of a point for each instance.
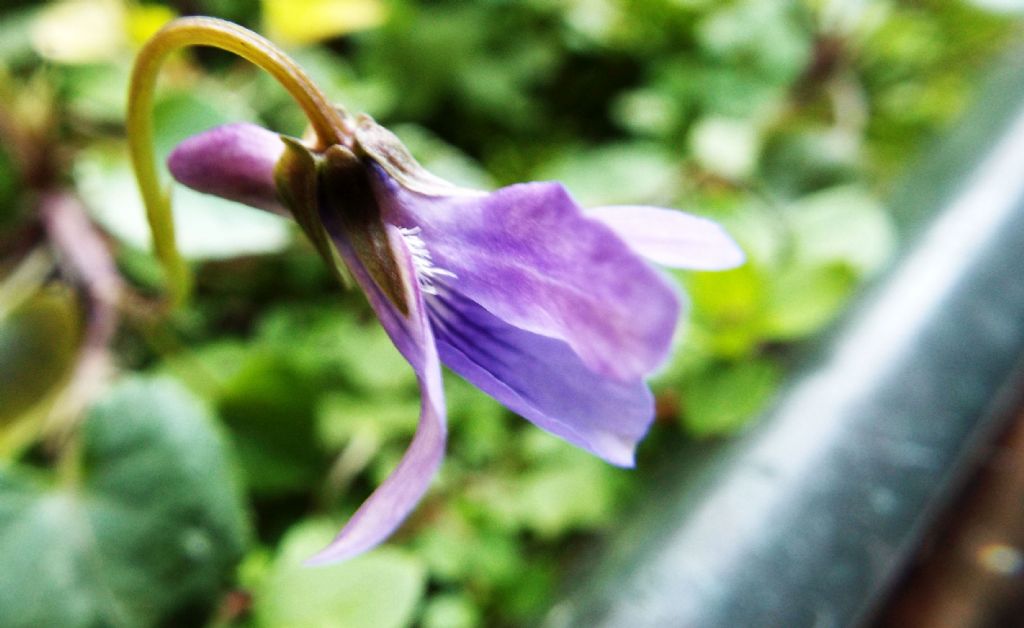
(541, 378)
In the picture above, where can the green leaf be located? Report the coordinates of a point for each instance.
(465, 547)
(480, 431)
(310, 379)
(724, 398)
(38, 343)
(845, 225)
(154, 523)
(335, 74)
(800, 160)
(333, 340)
(270, 407)
(729, 307)
(95, 92)
(614, 174)
(453, 610)
(734, 91)
(801, 300)
(377, 590)
(15, 35)
(647, 111)
(182, 114)
(342, 418)
(563, 488)
(728, 297)
(579, 493)
(726, 146)
(766, 35)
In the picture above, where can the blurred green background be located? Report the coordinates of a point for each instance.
(177, 471)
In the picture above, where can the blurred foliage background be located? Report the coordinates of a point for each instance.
(176, 472)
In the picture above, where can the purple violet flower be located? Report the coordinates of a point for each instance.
(549, 308)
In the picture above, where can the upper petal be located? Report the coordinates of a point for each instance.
(234, 161)
(528, 255)
(393, 500)
(670, 237)
(541, 378)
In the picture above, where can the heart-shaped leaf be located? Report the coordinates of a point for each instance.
(377, 590)
(151, 524)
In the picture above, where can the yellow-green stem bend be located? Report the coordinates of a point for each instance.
(331, 125)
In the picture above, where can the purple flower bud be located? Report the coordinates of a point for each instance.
(235, 161)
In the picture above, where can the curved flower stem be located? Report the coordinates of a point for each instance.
(331, 125)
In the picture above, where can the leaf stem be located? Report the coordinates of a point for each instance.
(331, 125)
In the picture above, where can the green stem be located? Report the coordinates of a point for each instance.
(331, 125)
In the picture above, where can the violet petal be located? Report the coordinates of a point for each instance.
(393, 500)
(528, 255)
(671, 238)
(542, 379)
(234, 161)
